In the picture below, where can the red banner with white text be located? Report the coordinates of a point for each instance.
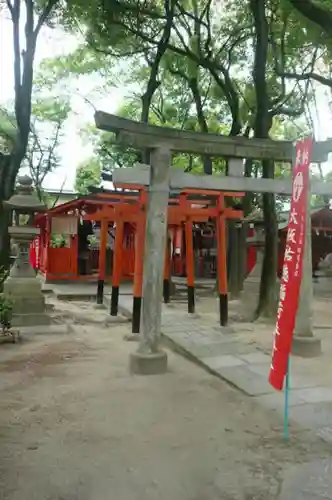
(292, 266)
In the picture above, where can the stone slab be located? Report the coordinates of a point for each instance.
(296, 381)
(212, 349)
(245, 380)
(215, 362)
(316, 394)
(276, 400)
(299, 382)
(256, 358)
(325, 433)
(313, 416)
(310, 481)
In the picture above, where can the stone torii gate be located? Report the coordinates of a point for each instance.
(160, 178)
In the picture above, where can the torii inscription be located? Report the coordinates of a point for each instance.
(160, 178)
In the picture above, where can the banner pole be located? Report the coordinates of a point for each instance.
(286, 402)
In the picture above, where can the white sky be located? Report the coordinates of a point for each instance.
(54, 42)
(72, 151)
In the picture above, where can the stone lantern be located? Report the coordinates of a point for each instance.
(22, 285)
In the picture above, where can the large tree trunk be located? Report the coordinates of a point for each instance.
(267, 305)
(7, 182)
(267, 294)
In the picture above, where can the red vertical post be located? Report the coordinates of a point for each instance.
(48, 230)
(102, 261)
(167, 273)
(139, 265)
(190, 265)
(222, 262)
(117, 264)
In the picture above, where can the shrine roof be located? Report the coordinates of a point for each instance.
(322, 211)
(172, 195)
(108, 196)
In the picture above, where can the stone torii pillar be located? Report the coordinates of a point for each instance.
(304, 343)
(149, 358)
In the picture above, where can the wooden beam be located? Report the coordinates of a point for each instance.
(140, 135)
(181, 181)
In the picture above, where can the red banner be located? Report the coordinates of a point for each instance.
(292, 266)
(35, 253)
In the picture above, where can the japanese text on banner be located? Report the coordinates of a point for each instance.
(292, 266)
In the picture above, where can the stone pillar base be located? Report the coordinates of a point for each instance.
(148, 364)
(306, 347)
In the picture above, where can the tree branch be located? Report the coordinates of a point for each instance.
(310, 75)
(318, 15)
(44, 15)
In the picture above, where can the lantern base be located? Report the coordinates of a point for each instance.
(29, 306)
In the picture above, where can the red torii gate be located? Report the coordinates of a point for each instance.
(181, 210)
(119, 208)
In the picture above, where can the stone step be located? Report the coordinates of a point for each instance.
(23, 320)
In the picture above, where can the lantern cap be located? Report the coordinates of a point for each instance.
(25, 199)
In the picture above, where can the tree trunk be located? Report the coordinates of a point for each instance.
(267, 305)
(7, 182)
(193, 84)
(263, 121)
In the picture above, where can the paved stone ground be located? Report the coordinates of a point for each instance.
(231, 354)
(74, 425)
(235, 355)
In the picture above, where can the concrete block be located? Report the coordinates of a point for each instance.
(148, 364)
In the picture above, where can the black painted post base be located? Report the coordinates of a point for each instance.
(191, 299)
(136, 319)
(114, 301)
(167, 291)
(223, 309)
(100, 292)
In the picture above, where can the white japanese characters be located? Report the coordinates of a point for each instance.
(291, 270)
(293, 217)
(293, 250)
(302, 156)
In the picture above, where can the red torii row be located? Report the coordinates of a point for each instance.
(121, 208)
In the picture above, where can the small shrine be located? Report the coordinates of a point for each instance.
(321, 237)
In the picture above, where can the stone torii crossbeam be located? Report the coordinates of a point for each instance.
(160, 178)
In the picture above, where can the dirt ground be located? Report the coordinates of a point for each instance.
(75, 425)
